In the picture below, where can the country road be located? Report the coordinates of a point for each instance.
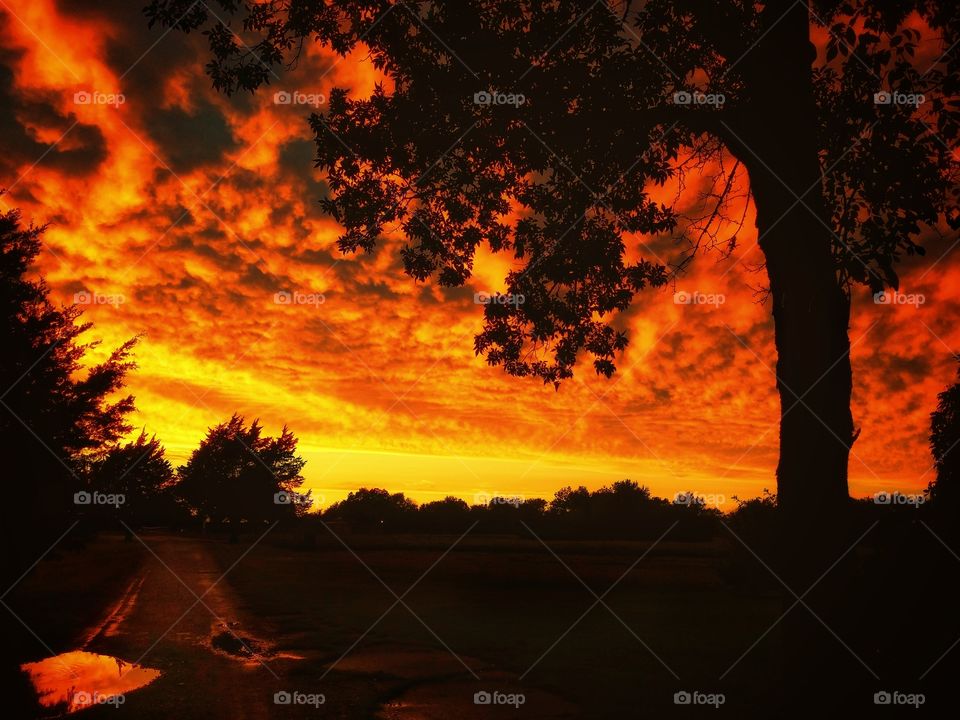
(177, 618)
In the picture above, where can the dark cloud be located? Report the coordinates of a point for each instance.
(190, 139)
(296, 159)
(254, 277)
(80, 151)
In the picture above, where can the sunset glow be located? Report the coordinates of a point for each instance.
(180, 214)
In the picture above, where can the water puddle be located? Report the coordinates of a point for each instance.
(79, 679)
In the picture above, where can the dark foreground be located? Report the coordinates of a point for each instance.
(349, 626)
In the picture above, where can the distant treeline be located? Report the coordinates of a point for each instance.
(623, 510)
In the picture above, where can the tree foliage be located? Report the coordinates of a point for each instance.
(238, 474)
(945, 446)
(563, 182)
(140, 472)
(58, 411)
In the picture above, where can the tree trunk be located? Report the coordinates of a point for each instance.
(776, 138)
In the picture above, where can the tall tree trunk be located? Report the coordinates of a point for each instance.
(776, 138)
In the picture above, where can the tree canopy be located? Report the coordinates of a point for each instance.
(238, 474)
(562, 181)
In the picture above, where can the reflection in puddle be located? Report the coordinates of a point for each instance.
(78, 679)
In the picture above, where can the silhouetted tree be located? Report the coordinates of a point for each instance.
(533, 510)
(374, 510)
(450, 515)
(944, 491)
(55, 414)
(237, 475)
(139, 472)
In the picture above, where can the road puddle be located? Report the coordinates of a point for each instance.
(79, 679)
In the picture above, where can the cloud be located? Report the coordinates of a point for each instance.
(190, 139)
(386, 365)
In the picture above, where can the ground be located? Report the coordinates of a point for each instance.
(494, 614)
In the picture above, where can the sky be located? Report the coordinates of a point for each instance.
(192, 220)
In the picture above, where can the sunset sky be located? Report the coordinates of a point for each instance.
(183, 213)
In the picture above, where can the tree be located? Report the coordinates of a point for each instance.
(58, 412)
(140, 476)
(238, 475)
(450, 515)
(945, 446)
(374, 510)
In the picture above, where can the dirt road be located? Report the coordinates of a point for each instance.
(179, 616)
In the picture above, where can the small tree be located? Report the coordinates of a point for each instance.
(239, 475)
(139, 473)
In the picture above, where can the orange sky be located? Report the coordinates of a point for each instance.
(197, 209)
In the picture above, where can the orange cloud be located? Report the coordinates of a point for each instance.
(193, 211)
